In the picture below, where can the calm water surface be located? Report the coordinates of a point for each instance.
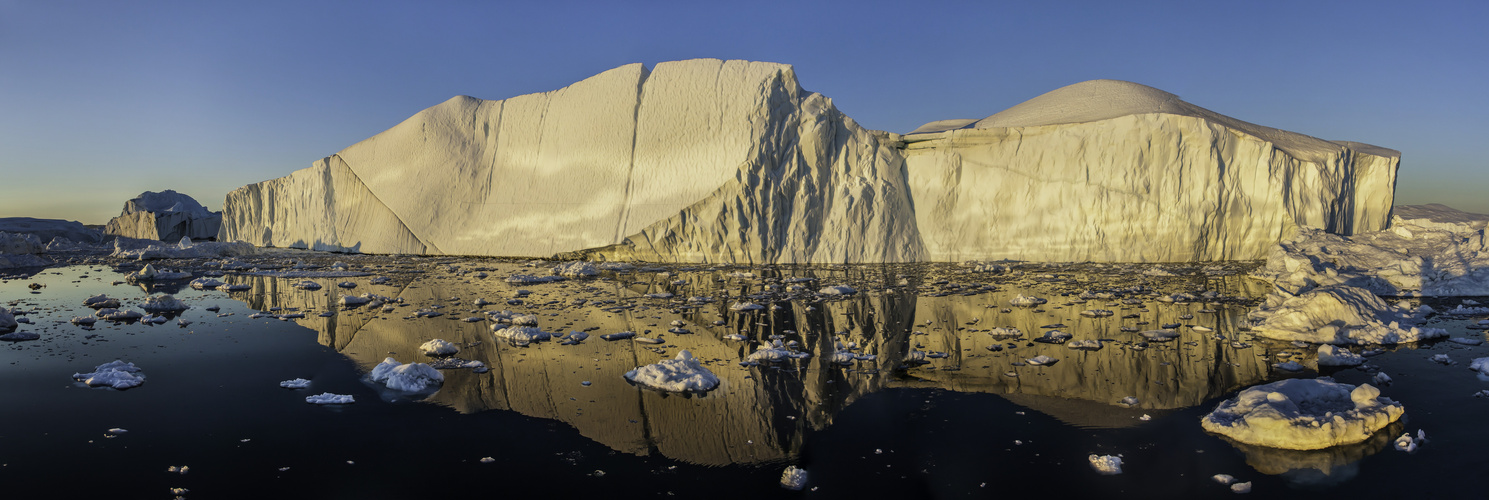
(936, 414)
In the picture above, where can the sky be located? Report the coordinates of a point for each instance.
(103, 100)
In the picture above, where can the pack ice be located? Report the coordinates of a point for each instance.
(733, 161)
(165, 216)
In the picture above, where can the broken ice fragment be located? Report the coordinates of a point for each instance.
(793, 478)
(327, 398)
(298, 383)
(1107, 465)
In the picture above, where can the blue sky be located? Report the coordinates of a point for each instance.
(100, 101)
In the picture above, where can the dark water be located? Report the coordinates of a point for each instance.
(952, 427)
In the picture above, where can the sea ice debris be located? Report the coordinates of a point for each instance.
(681, 374)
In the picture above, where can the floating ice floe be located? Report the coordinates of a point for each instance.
(1224, 479)
(1096, 313)
(1026, 301)
(438, 347)
(1409, 444)
(1292, 366)
(528, 279)
(775, 351)
(1303, 414)
(1465, 341)
(745, 306)
(1160, 335)
(307, 285)
(681, 374)
(1480, 365)
(163, 303)
(327, 398)
(521, 333)
(1041, 360)
(116, 374)
(839, 290)
(1053, 337)
(410, 377)
(1108, 465)
(205, 284)
(19, 336)
(794, 478)
(117, 315)
(618, 336)
(1338, 315)
(84, 320)
(1006, 333)
(1329, 355)
(298, 383)
(100, 301)
(1241, 487)
(1085, 345)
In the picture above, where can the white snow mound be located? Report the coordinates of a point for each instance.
(1303, 414)
(681, 374)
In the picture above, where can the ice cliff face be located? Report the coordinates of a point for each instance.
(165, 216)
(1115, 171)
(732, 161)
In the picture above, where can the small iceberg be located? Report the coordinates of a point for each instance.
(438, 347)
(411, 377)
(521, 333)
(327, 398)
(1303, 414)
(1329, 355)
(1026, 301)
(116, 374)
(101, 301)
(298, 383)
(163, 303)
(1041, 360)
(681, 374)
(794, 478)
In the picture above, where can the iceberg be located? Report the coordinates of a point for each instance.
(410, 377)
(117, 374)
(1303, 414)
(1106, 465)
(707, 160)
(47, 230)
(327, 398)
(438, 347)
(165, 216)
(163, 303)
(681, 374)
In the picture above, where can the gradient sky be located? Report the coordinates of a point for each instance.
(100, 101)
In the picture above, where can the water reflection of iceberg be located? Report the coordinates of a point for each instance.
(762, 413)
(1316, 468)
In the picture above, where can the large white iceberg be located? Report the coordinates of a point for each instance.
(166, 216)
(681, 374)
(1303, 414)
(733, 161)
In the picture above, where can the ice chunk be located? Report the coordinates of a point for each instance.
(1085, 345)
(1465, 341)
(1026, 301)
(1241, 487)
(116, 374)
(1338, 315)
(1303, 414)
(101, 301)
(438, 347)
(1225, 479)
(839, 290)
(1160, 335)
(1053, 337)
(681, 374)
(1409, 444)
(576, 269)
(746, 306)
(327, 398)
(163, 303)
(522, 333)
(205, 284)
(1480, 365)
(1096, 313)
(794, 478)
(1107, 465)
(84, 320)
(298, 383)
(1041, 360)
(19, 336)
(410, 377)
(1329, 355)
(117, 315)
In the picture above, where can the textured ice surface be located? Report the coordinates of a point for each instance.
(47, 230)
(327, 398)
(410, 377)
(438, 347)
(1329, 355)
(163, 303)
(166, 216)
(1338, 314)
(520, 333)
(681, 374)
(1415, 256)
(733, 161)
(1480, 365)
(298, 383)
(116, 374)
(1106, 464)
(793, 478)
(1303, 414)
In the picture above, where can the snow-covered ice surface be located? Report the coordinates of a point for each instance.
(117, 374)
(1339, 314)
(681, 374)
(1303, 414)
(327, 398)
(406, 377)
